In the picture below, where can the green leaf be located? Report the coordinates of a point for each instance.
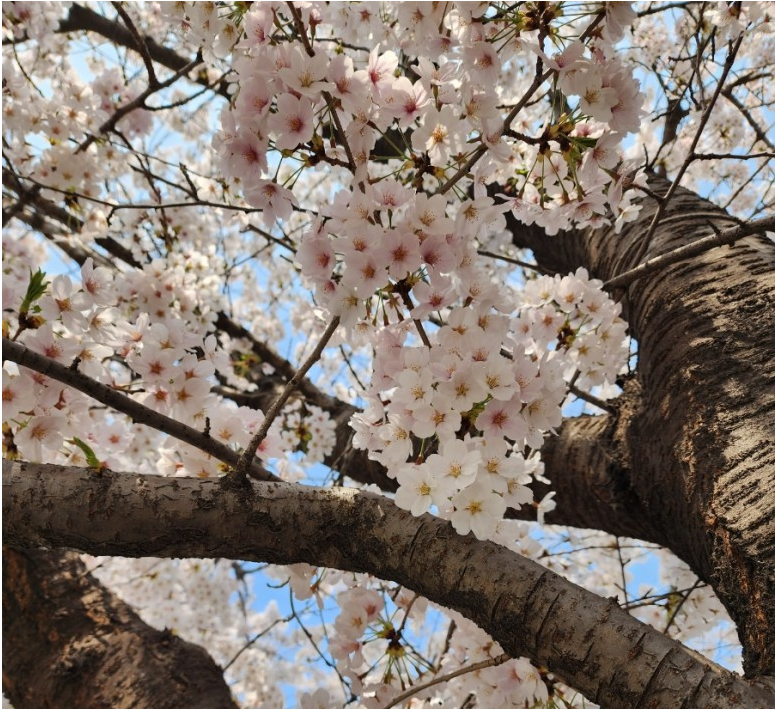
(91, 458)
(584, 142)
(36, 288)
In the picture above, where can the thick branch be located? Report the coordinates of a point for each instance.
(82, 19)
(69, 642)
(701, 441)
(592, 475)
(587, 641)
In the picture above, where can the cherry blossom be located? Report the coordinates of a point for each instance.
(380, 70)
(418, 490)
(293, 123)
(18, 394)
(366, 162)
(477, 510)
(441, 134)
(64, 304)
(456, 464)
(39, 433)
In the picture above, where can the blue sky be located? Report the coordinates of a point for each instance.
(645, 572)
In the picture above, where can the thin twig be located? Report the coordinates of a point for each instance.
(590, 398)
(652, 8)
(418, 325)
(623, 564)
(406, 615)
(492, 662)
(25, 357)
(350, 367)
(247, 456)
(649, 599)
(733, 197)
(138, 102)
(762, 136)
(679, 605)
(142, 47)
(731, 156)
(516, 262)
(689, 250)
(299, 25)
(309, 636)
(448, 638)
(115, 206)
(183, 101)
(254, 639)
(663, 203)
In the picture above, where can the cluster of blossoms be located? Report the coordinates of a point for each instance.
(307, 428)
(18, 18)
(145, 333)
(443, 99)
(575, 316)
(386, 244)
(465, 409)
(71, 163)
(420, 156)
(350, 256)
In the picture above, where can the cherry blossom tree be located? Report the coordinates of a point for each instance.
(440, 316)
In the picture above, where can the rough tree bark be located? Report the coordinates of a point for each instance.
(585, 640)
(685, 460)
(69, 642)
(690, 452)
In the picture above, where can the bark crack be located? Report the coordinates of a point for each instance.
(647, 692)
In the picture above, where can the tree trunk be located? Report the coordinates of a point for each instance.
(585, 640)
(693, 445)
(685, 460)
(69, 642)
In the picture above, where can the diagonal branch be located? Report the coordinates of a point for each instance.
(529, 610)
(138, 102)
(299, 26)
(762, 136)
(682, 253)
(250, 450)
(663, 204)
(83, 19)
(24, 357)
(140, 43)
